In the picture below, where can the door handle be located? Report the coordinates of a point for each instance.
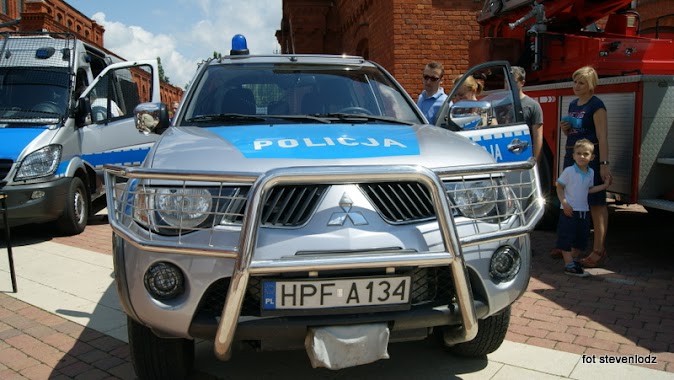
(518, 146)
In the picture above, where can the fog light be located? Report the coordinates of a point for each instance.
(164, 281)
(37, 194)
(505, 263)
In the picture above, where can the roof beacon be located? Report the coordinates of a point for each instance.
(239, 45)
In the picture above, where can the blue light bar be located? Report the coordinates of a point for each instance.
(239, 45)
(44, 53)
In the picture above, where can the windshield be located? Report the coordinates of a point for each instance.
(33, 93)
(294, 93)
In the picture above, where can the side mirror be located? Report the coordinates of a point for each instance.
(470, 114)
(151, 118)
(82, 112)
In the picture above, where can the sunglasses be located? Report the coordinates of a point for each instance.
(430, 78)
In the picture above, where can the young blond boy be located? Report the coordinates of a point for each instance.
(573, 187)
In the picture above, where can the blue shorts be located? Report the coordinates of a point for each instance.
(573, 232)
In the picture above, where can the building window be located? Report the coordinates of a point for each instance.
(19, 6)
(4, 7)
(59, 18)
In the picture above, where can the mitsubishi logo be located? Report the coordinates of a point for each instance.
(339, 218)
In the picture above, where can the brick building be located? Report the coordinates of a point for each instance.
(59, 16)
(402, 35)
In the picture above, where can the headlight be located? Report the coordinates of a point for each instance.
(179, 210)
(489, 200)
(475, 199)
(41, 163)
(186, 208)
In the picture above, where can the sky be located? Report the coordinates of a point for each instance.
(183, 33)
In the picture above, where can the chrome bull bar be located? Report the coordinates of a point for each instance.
(246, 265)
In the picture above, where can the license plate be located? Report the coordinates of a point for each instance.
(335, 293)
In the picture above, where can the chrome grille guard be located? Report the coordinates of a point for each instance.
(529, 209)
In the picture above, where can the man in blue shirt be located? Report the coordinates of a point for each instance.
(431, 99)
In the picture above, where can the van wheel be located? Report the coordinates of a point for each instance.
(158, 358)
(76, 210)
(491, 332)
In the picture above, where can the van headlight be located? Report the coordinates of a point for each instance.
(489, 200)
(41, 163)
(179, 210)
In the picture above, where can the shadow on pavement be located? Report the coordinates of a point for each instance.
(631, 295)
(36, 233)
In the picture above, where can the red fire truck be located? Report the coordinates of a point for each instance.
(551, 39)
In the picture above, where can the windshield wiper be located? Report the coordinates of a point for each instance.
(363, 118)
(301, 117)
(225, 117)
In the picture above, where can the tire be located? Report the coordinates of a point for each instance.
(490, 335)
(76, 210)
(159, 358)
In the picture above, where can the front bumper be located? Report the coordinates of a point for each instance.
(240, 264)
(24, 208)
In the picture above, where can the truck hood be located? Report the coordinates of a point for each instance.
(15, 140)
(258, 148)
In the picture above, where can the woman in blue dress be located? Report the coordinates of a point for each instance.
(587, 119)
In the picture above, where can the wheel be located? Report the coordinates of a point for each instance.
(158, 358)
(491, 332)
(355, 110)
(76, 210)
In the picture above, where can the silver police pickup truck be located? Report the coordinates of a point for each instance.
(304, 202)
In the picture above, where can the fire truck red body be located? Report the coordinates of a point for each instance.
(553, 38)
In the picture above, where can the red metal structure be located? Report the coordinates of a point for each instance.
(553, 38)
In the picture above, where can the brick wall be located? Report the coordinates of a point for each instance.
(432, 30)
(403, 35)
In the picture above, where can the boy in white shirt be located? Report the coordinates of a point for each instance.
(573, 186)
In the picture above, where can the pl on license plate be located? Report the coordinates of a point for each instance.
(320, 294)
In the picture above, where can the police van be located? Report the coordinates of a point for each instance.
(303, 201)
(66, 109)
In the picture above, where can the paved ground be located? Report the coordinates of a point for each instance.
(57, 328)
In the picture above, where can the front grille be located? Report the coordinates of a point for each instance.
(289, 206)
(430, 287)
(286, 206)
(400, 202)
(5, 167)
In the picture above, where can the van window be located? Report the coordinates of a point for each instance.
(117, 94)
(33, 93)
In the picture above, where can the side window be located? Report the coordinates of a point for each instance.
(117, 94)
(498, 93)
(81, 83)
(490, 104)
(103, 100)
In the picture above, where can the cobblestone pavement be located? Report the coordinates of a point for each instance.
(625, 308)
